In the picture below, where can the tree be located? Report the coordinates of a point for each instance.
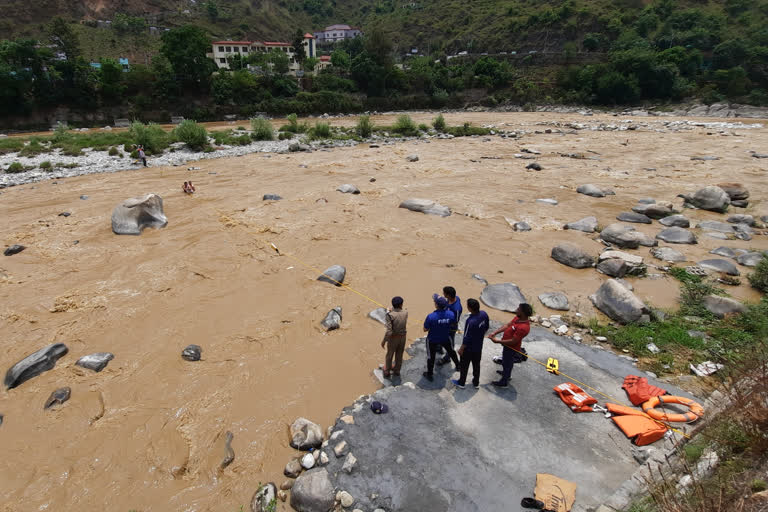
(111, 81)
(310, 64)
(185, 48)
(64, 38)
(341, 60)
(378, 45)
(212, 9)
(299, 52)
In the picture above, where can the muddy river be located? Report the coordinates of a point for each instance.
(147, 433)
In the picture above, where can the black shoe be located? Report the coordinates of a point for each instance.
(441, 362)
(497, 360)
(532, 503)
(428, 376)
(500, 383)
(476, 385)
(500, 372)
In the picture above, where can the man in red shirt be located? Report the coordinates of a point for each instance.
(512, 341)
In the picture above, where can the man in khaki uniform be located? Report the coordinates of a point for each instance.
(394, 338)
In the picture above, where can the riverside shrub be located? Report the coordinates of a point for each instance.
(364, 126)
(195, 136)
(261, 129)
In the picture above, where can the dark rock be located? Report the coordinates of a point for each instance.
(271, 197)
(759, 155)
(618, 303)
(637, 218)
(713, 225)
(521, 226)
(722, 306)
(626, 237)
(668, 254)
(533, 166)
(426, 206)
(590, 190)
(503, 296)
(229, 453)
(348, 189)
(751, 259)
(313, 492)
(412, 158)
(555, 300)
(34, 364)
(372, 180)
(735, 191)
(334, 274)
(264, 498)
(572, 256)
(379, 314)
(58, 397)
(675, 235)
(332, 320)
(133, 215)
(64, 214)
(677, 221)
(587, 225)
(613, 267)
(705, 158)
(646, 200)
(293, 468)
(726, 252)
(719, 265)
(1, 420)
(305, 434)
(14, 249)
(84, 198)
(658, 211)
(740, 203)
(192, 353)
(741, 235)
(709, 198)
(95, 362)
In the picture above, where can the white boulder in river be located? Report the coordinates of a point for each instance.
(95, 362)
(618, 303)
(503, 296)
(133, 215)
(334, 274)
(426, 206)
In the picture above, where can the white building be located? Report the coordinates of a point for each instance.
(337, 33)
(222, 50)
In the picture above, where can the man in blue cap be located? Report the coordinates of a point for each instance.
(438, 326)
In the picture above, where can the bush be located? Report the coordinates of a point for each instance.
(405, 126)
(466, 130)
(194, 135)
(46, 166)
(34, 148)
(113, 151)
(261, 129)
(759, 278)
(439, 123)
(364, 126)
(14, 168)
(321, 131)
(285, 136)
(293, 125)
(151, 136)
(423, 127)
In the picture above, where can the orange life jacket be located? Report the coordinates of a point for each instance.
(639, 390)
(636, 425)
(575, 397)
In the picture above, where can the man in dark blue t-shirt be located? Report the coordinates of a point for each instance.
(471, 350)
(438, 326)
(454, 304)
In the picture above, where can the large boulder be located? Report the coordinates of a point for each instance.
(426, 206)
(735, 191)
(95, 362)
(714, 225)
(637, 218)
(725, 252)
(587, 225)
(678, 221)
(379, 314)
(313, 492)
(264, 498)
(613, 267)
(722, 306)
(502, 296)
(659, 211)
(675, 235)
(750, 259)
(348, 189)
(332, 320)
(572, 255)
(334, 274)
(590, 190)
(625, 237)
(305, 434)
(34, 364)
(709, 198)
(555, 300)
(742, 219)
(618, 303)
(133, 215)
(668, 254)
(718, 265)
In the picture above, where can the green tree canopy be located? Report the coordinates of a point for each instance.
(185, 48)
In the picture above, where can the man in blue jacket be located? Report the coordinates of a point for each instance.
(438, 326)
(471, 350)
(454, 304)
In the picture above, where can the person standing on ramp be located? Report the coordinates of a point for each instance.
(512, 341)
(438, 327)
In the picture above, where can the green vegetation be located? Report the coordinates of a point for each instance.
(466, 130)
(439, 123)
(151, 136)
(195, 136)
(46, 165)
(113, 151)
(293, 125)
(261, 129)
(404, 125)
(321, 131)
(759, 278)
(364, 126)
(14, 168)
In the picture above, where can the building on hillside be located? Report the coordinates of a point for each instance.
(222, 50)
(337, 33)
(325, 61)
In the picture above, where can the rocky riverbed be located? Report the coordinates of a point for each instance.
(153, 430)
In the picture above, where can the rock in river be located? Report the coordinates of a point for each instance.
(587, 225)
(668, 254)
(572, 255)
(721, 306)
(313, 492)
(192, 353)
(750, 259)
(133, 215)
(720, 227)
(658, 211)
(709, 198)
(742, 219)
(271, 197)
(379, 314)
(14, 249)
(34, 364)
(332, 320)
(618, 303)
(726, 252)
(263, 499)
(677, 236)
(590, 190)
(626, 237)
(334, 274)
(614, 267)
(503, 296)
(735, 191)
(555, 300)
(678, 221)
(58, 397)
(96, 362)
(305, 434)
(719, 265)
(348, 189)
(426, 206)
(637, 218)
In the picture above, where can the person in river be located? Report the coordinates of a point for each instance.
(394, 338)
(437, 325)
(471, 350)
(188, 187)
(512, 336)
(142, 155)
(454, 304)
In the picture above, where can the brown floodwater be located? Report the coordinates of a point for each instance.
(147, 433)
